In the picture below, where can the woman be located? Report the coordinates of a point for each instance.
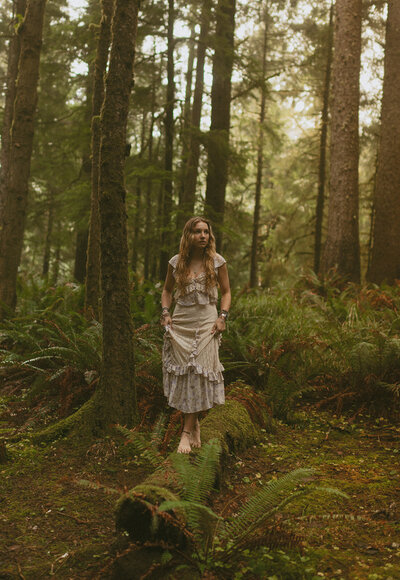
(193, 379)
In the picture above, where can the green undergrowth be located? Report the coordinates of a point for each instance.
(309, 344)
(337, 349)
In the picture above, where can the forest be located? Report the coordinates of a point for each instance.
(278, 121)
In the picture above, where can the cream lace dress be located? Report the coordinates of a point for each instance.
(192, 372)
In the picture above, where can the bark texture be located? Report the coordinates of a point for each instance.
(319, 212)
(218, 138)
(385, 255)
(92, 286)
(116, 398)
(17, 180)
(14, 49)
(342, 250)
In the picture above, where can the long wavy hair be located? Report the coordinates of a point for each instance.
(185, 254)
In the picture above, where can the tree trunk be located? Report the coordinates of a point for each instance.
(185, 136)
(192, 162)
(49, 233)
(138, 218)
(56, 263)
(385, 255)
(92, 285)
(218, 138)
(116, 398)
(319, 212)
(81, 255)
(22, 132)
(260, 163)
(342, 249)
(14, 49)
(149, 188)
(169, 138)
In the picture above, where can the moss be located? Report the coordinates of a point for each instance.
(231, 425)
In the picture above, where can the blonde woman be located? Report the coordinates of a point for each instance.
(192, 372)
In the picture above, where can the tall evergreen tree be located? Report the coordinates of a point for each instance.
(116, 400)
(191, 168)
(14, 48)
(166, 237)
(319, 212)
(342, 249)
(22, 132)
(260, 160)
(218, 138)
(92, 282)
(385, 255)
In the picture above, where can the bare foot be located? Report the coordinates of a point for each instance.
(195, 440)
(184, 444)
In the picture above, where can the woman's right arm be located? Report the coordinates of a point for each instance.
(166, 297)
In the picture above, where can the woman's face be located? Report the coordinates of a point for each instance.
(200, 235)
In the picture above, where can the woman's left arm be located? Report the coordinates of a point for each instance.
(223, 280)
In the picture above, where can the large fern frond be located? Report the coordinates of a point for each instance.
(262, 504)
(198, 477)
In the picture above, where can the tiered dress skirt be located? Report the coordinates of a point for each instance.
(192, 371)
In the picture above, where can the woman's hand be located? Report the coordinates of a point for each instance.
(218, 326)
(166, 319)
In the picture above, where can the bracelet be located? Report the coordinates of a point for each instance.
(224, 314)
(165, 309)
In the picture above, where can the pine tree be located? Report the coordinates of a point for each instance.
(218, 138)
(342, 249)
(92, 282)
(22, 132)
(116, 401)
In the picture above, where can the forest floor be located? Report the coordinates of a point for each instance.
(53, 525)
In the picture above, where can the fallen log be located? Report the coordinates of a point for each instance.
(136, 510)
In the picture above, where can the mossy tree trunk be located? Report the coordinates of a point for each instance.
(385, 255)
(115, 400)
(342, 248)
(14, 49)
(218, 138)
(22, 132)
(92, 285)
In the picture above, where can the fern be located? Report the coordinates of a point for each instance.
(262, 505)
(146, 445)
(198, 478)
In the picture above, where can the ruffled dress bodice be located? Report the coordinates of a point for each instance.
(196, 291)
